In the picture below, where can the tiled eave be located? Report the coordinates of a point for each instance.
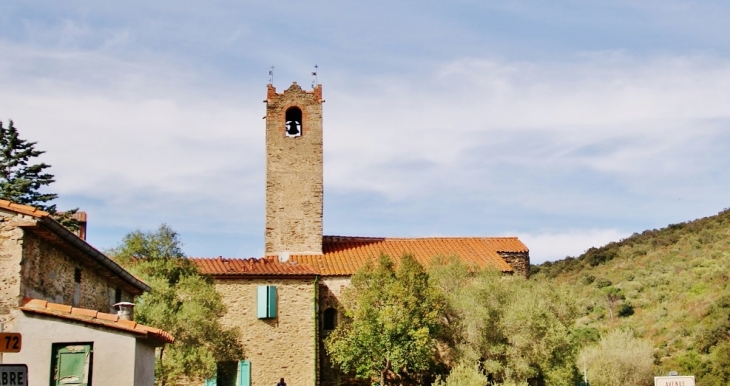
(96, 318)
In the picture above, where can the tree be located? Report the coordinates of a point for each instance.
(618, 359)
(391, 322)
(613, 296)
(181, 302)
(518, 330)
(21, 180)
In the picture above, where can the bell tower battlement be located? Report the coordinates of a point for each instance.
(294, 175)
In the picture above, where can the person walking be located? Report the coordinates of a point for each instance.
(281, 382)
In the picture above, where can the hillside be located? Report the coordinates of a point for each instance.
(670, 286)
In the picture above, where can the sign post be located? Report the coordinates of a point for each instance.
(13, 375)
(10, 342)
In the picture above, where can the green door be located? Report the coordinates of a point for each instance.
(72, 364)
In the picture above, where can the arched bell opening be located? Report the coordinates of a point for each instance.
(293, 119)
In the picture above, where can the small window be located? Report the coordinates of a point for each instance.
(330, 319)
(266, 302)
(77, 275)
(117, 295)
(293, 120)
(71, 364)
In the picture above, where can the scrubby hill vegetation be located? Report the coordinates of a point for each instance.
(670, 286)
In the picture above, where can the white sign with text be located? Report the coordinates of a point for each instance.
(675, 381)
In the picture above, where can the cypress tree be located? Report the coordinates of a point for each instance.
(21, 179)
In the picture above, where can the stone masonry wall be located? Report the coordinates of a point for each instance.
(282, 347)
(294, 174)
(520, 262)
(49, 273)
(11, 241)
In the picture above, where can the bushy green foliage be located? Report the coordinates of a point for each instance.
(21, 180)
(181, 302)
(518, 329)
(392, 319)
(618, 359)
(675, 284)
(463, 375)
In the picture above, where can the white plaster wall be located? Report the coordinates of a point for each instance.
(114, 352)
(144, 365)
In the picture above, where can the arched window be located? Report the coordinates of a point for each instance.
(293, 118)
(330, 319)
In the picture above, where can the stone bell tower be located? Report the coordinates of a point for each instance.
(294, 165)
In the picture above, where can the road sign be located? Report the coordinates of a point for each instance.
(10, 342)
(13, 375)
(675, 381)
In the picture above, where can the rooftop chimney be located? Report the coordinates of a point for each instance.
(126, 310)
(81, 218)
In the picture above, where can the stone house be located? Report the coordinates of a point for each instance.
(59, 292)
(286, 302)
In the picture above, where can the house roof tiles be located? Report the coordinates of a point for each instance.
(94, 317)
(23, 209)
(219, 266)
(344, 255)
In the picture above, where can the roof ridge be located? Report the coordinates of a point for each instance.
(369, 238)
(221, 258)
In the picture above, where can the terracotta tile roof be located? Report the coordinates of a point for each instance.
(345, 255)
(219, 266)
(23, 209)
(94, 317)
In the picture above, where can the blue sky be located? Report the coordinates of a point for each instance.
(566, 123)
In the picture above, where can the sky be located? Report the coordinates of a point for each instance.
(567, 123)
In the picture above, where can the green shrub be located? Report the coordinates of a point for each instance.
(601, 283)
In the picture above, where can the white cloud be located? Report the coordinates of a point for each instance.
(144, 134)
(606, 113)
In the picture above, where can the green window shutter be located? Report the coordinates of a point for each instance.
(72, 364)
(272, 302)
(244, 373)
(262, 302)
(266, 301)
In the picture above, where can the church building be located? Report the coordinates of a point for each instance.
(286, 302)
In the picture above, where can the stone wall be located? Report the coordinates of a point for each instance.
(50, 274)
(11, 241)
(519, 261)
(294, 174)
(281, 347)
